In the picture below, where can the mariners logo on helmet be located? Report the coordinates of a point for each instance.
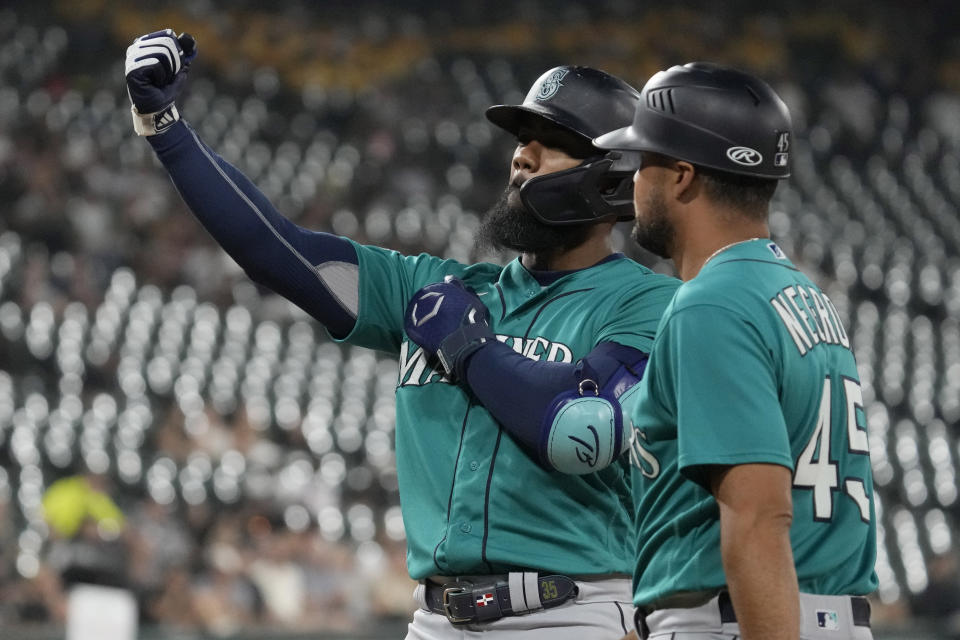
(551, 84)
(745, 155)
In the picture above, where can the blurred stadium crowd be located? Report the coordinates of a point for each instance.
(168, 427)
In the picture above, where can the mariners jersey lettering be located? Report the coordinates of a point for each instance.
(473, 501)
(751, 364)
(415, 368)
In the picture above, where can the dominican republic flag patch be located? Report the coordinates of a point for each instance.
(484, 600)
(828, 620)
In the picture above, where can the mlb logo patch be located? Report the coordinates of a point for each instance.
(828, 620)
(776, 251)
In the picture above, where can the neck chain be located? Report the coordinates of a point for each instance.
(724, 248)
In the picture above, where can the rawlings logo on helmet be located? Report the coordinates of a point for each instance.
(745, 155)
(551, 84)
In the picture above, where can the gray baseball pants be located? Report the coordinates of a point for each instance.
(821, 618)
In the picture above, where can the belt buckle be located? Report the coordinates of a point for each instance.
(453, 591)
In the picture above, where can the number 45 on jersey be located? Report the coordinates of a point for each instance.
(821, 475)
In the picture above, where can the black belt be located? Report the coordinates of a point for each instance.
(859, 606)
(488, 599)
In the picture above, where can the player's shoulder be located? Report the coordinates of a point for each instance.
(426, 263)
(735, 289)
(475, 274)
(738, 286)
(630, 273)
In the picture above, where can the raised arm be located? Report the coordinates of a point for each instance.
(316, 271)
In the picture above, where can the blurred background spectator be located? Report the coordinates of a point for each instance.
(74, 501)
(168, 426)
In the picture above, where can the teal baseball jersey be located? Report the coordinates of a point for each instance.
(473, 502)
(751, 364)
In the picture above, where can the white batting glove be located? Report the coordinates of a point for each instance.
(156, 68)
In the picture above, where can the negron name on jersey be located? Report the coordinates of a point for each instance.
(416, 370)
(810, 317)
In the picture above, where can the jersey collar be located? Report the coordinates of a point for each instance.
(762, 249)
(546, 278)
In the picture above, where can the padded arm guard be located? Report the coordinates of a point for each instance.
(583, 430)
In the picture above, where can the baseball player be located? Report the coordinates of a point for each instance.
(752, 478)
(516, 500)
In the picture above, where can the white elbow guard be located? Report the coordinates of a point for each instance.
(582, 432)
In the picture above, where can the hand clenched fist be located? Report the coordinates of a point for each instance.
(156, 68)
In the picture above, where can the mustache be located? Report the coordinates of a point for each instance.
(511, 194)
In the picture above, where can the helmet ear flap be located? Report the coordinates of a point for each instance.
(587, 193)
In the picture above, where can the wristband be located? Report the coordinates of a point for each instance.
(459, 345)
(151, 124)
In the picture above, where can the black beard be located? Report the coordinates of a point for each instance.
(654, 233)
(508, 225)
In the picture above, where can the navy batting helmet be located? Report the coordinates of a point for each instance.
(587, 102)
(710, 116)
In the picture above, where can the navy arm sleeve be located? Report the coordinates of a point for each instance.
(519, 392)
(314, 270)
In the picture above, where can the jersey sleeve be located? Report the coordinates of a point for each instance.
(633, 321)
(388, 280)
(727, 394)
